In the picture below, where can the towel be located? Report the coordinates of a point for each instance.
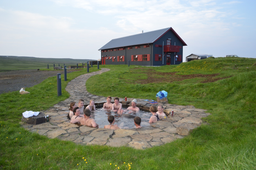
(28, 114)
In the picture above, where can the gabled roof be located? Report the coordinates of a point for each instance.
(138, 39)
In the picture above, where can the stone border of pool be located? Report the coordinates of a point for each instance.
(185, 119)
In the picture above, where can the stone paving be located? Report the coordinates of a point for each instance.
(185, 119)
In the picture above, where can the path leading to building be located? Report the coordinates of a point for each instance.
(185, 119)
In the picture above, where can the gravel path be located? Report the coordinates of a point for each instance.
(15, 80)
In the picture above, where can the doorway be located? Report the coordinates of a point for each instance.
(168, 60)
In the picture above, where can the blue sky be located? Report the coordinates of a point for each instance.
(78, 28)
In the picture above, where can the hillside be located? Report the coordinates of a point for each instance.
(8, 63)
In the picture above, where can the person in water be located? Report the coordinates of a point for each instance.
(154, 118)
(111, 120)
(87, 121)
(76, 118)
(91, 106)
(133, 108)
(160, 112)
(137, 121)
(117, 107)
(108, 104)
(71, 108)
(81, 106)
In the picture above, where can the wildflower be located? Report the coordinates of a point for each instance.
(7, 137)
(83, 157)
(115, 165)
(86, 162)
(37, 154)
(110, 163)
(16, 138)
(118, 167)
(77, 164)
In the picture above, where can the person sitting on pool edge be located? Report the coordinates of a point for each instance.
(117, 107)
(87, 121)
(81, 106)
(133, 108)
(76, 118)
(137, 121)
(154, 118)
(111, 120)
(108, 104)
(91, 106)
(160, 112)
(71, 108)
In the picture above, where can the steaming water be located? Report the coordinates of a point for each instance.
(124, 121)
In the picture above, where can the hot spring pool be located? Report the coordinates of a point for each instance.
(124, 121)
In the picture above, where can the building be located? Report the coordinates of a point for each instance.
(155, 48)
(197, 57)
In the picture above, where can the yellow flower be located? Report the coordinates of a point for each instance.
(118, 167)
(124, 162)
(6, 137)
(16, 138)
(110, 163)
(83, 157)
(86, 162)
(115, 165)
(77, 164)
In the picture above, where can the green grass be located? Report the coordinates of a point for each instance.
(226, 140)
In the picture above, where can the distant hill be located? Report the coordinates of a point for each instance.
(8, 63)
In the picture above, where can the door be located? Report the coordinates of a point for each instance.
(168, 60)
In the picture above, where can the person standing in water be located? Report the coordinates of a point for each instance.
(117, 107)
(154, 118)
(160, 112)
(76, 118)
(81, 106)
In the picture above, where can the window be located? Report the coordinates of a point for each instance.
(129, 48)
(145, 46)
(144, 57)
(136, 47)
(121, 48)
(134, 58)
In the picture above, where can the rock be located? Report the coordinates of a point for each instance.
(185, 128)
(120, 133)
(67, 125)
(156, 143)
(55, 133)
(117, 142)
(73, 130)
(168, 139)
(191, 120)
(87, 139)
(85, 129)
(71, 137)
(52, 113)
(79, 139)
(148, 131)
(44, 126)
(102, 133)
(139, 144)
(97, 141)
(140, 137)
(170, 130)
(160, 134)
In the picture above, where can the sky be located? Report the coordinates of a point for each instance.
(78, 28)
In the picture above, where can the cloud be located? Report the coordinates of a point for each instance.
(232, 2)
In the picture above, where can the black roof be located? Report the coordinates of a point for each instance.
(138, 39)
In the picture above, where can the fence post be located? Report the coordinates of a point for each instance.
(87, 67)
(47, 66)
(98, 65)
(59, 84)
(53, 66)
(76, 65)
(91, 63)
(65, 73)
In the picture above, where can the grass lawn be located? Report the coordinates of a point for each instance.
(226, 140)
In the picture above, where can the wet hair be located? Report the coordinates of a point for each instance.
(152, 109)
(91, 101)
(111, 119)
(116, 98)
(71, 106)
(81, 100)
(74, 111)
(109, 97)
(87, 112)
(161, 106)
(137, 120)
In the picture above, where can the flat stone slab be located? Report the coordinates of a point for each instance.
(117, 142)
(120, 133)
(55, 133)
(139, 145)
(185, 119)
